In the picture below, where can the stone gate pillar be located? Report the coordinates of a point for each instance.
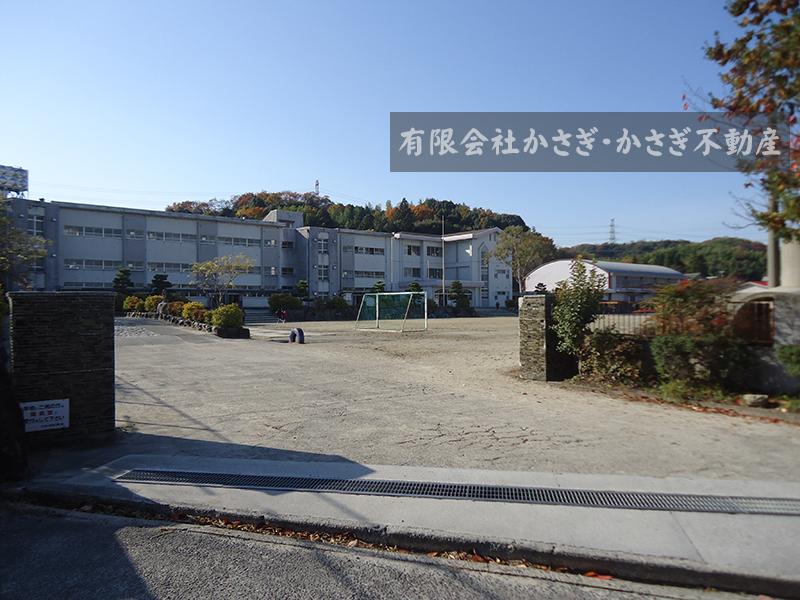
(62, 364)
(538, 357)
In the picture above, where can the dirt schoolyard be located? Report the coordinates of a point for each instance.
(446, 397)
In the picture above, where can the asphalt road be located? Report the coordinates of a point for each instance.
(47, 554)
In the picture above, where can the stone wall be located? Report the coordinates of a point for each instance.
(62, 347)
(538, 358)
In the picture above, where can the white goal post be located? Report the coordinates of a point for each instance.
(393, 311)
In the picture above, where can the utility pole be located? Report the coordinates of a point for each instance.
(444, 291)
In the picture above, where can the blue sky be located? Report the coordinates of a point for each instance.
(142, 104)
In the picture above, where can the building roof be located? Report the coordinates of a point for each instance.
(164, 213)
(621, 268)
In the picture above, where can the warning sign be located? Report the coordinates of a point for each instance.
(45, 414)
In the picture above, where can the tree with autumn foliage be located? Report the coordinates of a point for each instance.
(522, 250)
(762, 77)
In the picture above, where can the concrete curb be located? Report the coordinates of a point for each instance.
(635, 567)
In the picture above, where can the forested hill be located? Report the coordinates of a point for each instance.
(727, 256)
(321, 211)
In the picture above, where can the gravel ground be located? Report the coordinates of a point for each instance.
(447, 397)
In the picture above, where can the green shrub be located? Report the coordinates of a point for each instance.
(577, 303)
(693, 307)
(708, 360)
(151, 302)
(132, 303)
(175, 308)
(612, 358)
(200, 315)
(190, 307)
(337, 303)
(789, 355)
(680, 391)
(227, 315)
(284, 302)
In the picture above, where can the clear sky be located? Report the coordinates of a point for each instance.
(144, 103)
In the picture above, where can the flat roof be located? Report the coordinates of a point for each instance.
(164, 213)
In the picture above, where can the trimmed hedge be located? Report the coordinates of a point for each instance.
(704, 360)
(227, 315)
(189, 308)
(151, 302)
(613, 358)
(133, 304)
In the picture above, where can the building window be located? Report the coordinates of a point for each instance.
(208, 239)
(135, 234)
(434, 273)
(35, 224)
(347, 249)
(254, 270)
(37, 264)
(155, 235)
(413, 272)
(370, 274)
(413, 250)
(271, 271)
(287, 271)
(322, 272)
(109, 232)
(434, 250)
(286, 244)
(368, 250)
(269, 243)
(322, 246)
(135, 265)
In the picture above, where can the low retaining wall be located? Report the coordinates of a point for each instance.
(62, 364)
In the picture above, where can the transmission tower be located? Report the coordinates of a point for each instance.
(612, 233)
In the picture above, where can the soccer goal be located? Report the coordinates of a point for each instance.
(393, 311)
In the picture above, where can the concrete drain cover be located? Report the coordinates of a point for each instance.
(480, 492)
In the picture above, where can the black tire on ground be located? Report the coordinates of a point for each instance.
(301, 336)
(292, 336)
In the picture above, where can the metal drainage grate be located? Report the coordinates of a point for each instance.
(474, 491)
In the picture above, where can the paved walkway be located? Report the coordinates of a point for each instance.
(756, 553)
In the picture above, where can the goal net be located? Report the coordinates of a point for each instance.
(393, 311)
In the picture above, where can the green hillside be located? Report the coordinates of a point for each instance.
(726, 256)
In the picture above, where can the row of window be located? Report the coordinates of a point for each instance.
(36, 224)
(77, 230)
(415, 250)
(87, 264)
(416, 273)
(178, 286)
(91, 264)
(364, 250)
